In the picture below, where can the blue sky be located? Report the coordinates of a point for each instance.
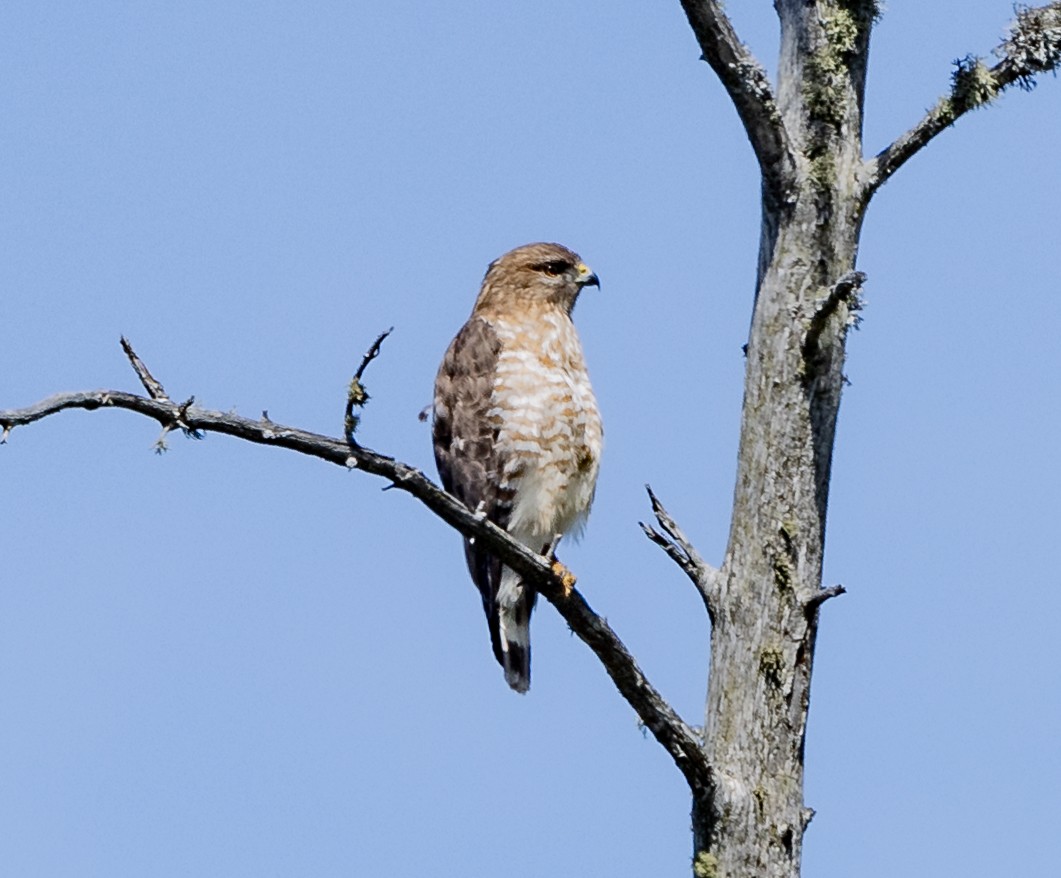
(229, 660)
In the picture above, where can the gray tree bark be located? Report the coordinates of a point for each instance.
(764, 601)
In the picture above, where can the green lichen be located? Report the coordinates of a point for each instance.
(782, 574)
(356, 393)
(705, 865)
(1034, 42)
(822, 171)
(867, 11)
(759, 794)
(841, 30)
(788, 531)
(972, 84)
(945, 111)
(772, 666)
(824, 91)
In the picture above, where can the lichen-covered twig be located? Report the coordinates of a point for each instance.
(1032, 46)
(680, 549)
(537, 571)
(356, 395)
(844, 291)
(749, 88)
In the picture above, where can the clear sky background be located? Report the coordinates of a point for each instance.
(234, 661)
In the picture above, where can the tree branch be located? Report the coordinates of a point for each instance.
(1032, 46)
(822, 595)
(154, 388)
(678, 547)
(356, 395)
(654, 712)
(749, 88)
(844, 291)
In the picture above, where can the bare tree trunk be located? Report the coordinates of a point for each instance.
(816, 186)
(766, 608)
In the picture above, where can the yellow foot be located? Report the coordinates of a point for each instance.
(566, 577)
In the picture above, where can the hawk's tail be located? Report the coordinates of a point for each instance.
(514, 629)
(517, 667)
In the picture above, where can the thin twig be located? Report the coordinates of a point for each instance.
(749, 88)
(676, 554)
(154, 388)
(680, 549)
(372, 353)
(357, 395)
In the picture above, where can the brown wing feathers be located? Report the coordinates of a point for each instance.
(466, 448)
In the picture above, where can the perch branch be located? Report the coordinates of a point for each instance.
(748, 86)
(654, 712)
(1032, 46)
(680, 549)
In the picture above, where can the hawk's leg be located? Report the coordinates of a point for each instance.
(566, 577)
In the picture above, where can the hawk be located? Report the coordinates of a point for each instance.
(517, 434)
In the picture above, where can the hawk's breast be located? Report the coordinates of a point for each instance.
(548, 427)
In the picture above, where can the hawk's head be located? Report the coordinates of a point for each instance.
(536, 272)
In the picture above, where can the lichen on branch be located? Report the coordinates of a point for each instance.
(1032, 46)
(826, 65)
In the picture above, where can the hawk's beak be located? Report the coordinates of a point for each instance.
(586, 276)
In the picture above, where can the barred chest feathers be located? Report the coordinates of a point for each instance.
(549, 427)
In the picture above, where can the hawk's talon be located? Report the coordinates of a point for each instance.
(566, 577)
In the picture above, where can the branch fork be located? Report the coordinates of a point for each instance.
(748, 86)
(680, 549)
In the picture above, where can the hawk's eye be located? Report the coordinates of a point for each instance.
(554, 268)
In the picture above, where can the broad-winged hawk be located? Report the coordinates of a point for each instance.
(517, 433)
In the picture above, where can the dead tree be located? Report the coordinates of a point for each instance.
(745, 772)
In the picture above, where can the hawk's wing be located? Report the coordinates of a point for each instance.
(466, 449)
